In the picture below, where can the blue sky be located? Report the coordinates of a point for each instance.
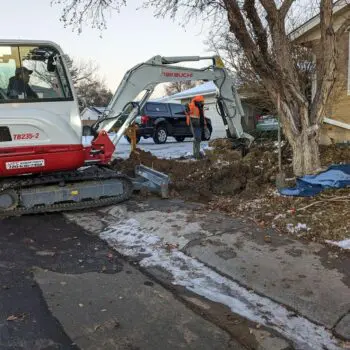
(132, 36)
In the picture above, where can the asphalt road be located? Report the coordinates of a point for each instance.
(61, 288)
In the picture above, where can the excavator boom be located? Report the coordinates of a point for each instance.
(146, 76)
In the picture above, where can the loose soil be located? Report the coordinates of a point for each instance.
(245, 186)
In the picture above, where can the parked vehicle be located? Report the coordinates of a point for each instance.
(160, 120)
(267, 123)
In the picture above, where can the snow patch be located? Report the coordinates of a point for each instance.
(275, 193)
(279, 216)
(131, 239)
(169, 150)
(173, 227)
(345, 244)
(219, 164)
(297, 228)
(276, 144)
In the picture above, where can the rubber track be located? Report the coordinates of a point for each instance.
(69, 206)
(91, 173)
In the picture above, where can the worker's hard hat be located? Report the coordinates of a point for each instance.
(198, 98)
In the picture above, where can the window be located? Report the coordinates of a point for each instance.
(32, 73)
(5, 134)
(156, 107)
(178, 109)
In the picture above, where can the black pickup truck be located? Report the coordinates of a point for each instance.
(160, 120)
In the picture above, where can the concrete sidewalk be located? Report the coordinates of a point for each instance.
(301, 290)
(108, 312)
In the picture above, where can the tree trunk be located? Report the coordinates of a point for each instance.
(306, 155)
(303, 138)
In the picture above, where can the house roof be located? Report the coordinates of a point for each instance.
(208, 88)
(97, 111)
(315, 21)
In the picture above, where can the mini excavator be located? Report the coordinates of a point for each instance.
(44, 166)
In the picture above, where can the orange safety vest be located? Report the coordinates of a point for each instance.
(193, 109)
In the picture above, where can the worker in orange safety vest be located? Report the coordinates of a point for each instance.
(195, 119)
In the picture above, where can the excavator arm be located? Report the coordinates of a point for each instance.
(146, 76)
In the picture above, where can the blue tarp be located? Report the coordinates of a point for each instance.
(336, 176)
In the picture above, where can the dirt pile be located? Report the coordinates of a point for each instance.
(246, 186)
(189, 179)
(223, 171)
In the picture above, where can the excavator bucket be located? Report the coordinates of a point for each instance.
(152, 180)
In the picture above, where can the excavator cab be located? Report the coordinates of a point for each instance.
(44, 166)
(40, 126)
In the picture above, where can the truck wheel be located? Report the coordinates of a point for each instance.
(160, 135)
(180, 138)
(138, 138)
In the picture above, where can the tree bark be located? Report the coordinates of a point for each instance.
(306, 155)
(304, 144)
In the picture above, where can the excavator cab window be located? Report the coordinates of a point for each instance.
(32, 74)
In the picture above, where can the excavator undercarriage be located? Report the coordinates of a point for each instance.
(88, 187)
(85, 188)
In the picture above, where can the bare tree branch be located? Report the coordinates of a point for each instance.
(77, 12)
(82, 71)
(179, 86)
(285, 7)
(258, 28)
(270, 8)
(90, 88)
(239, 28)
(327, 66)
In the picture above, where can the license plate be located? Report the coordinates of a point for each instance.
(35, 163)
